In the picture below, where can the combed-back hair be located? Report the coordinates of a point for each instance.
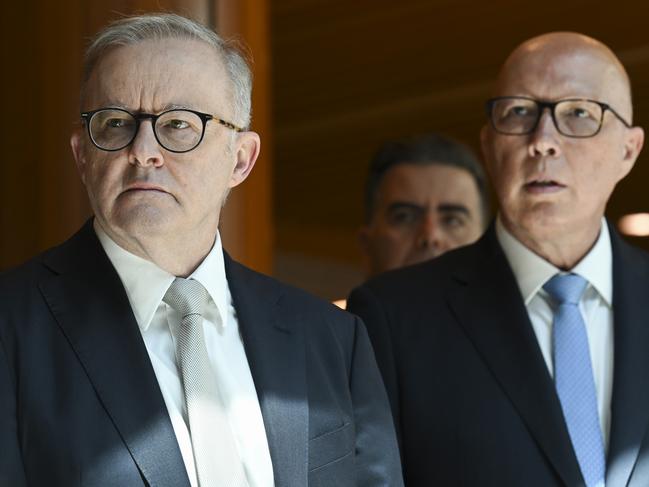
(138, 28)
(427, 149)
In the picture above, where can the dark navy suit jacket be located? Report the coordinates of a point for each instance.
(80, 404)
(472, 398)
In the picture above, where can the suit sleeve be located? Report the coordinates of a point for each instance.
(11, 465)
(363, 303)
(377, 454)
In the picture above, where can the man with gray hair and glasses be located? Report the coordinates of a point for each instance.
(523, 359)
(138, 353)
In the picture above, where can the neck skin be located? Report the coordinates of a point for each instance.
(563, 249)
(179, 256)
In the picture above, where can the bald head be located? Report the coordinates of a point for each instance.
(559, 140)
(562, 64)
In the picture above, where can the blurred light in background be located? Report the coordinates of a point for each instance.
(635, 225)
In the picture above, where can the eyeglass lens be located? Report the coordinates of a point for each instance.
(517, 116)
(175, 130)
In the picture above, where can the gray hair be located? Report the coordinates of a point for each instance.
(134, 29)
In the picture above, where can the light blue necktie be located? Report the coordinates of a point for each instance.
(573, 376)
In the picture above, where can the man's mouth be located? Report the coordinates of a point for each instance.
(144, 187)
(541, 186)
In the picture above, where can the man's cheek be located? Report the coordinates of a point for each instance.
(390, 249)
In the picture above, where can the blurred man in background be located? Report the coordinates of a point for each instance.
(424, 196)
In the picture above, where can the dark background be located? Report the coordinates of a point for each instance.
(333, 79)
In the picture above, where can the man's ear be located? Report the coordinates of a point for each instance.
(633, 143)
(247, 149)
(77, 144)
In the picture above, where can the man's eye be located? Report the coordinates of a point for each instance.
(453, 221)
(519, 111)
(515, 112)
(115, 123)
(177, 124)
(403, 217)
(580, 113)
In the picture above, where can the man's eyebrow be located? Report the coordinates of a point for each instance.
(398, 205)
(176, 106)
(115, 104)
(170, 106)
(453, 208)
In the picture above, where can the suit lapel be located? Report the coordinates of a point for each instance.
(487, 302)
(630, 402)
(90, 305)
(275, 349)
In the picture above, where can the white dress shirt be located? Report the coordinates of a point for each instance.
(596, 306)
(146, 285)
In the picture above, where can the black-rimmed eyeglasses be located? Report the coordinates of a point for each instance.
(177, 130)
(573, 117)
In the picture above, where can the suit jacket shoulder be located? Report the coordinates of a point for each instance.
(467, 382)
(74, 371)
(466, 378)
(323, 388)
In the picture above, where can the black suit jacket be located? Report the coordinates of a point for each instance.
(80, 404)
(472, 399)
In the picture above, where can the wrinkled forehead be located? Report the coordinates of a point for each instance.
(153, 75)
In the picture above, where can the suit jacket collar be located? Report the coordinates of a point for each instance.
(498, 325)
(532, 271)
(90, 305)
(275, 346)
(630, 403)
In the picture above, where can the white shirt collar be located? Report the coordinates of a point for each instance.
(146, 283)
(532, 271)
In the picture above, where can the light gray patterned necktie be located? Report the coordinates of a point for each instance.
(215, 452)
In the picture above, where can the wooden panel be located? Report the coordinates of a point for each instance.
(42, 201)
(247, 222)
(349, 75)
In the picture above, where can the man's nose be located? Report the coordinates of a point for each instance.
(544, 141)
(145, 150)
(429, 233)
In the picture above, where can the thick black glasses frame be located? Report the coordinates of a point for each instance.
(551, 105)
(205, 117)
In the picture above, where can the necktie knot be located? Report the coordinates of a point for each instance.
(566, 288)
(187, 296)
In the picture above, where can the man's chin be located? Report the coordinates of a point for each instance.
(142, 220)
(546, 224)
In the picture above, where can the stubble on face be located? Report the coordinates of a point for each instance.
(421, 211)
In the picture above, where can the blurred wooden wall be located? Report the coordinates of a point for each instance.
(344, 77)
(42, 201)
(349, 75)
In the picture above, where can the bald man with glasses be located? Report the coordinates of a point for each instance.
(523, 359)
